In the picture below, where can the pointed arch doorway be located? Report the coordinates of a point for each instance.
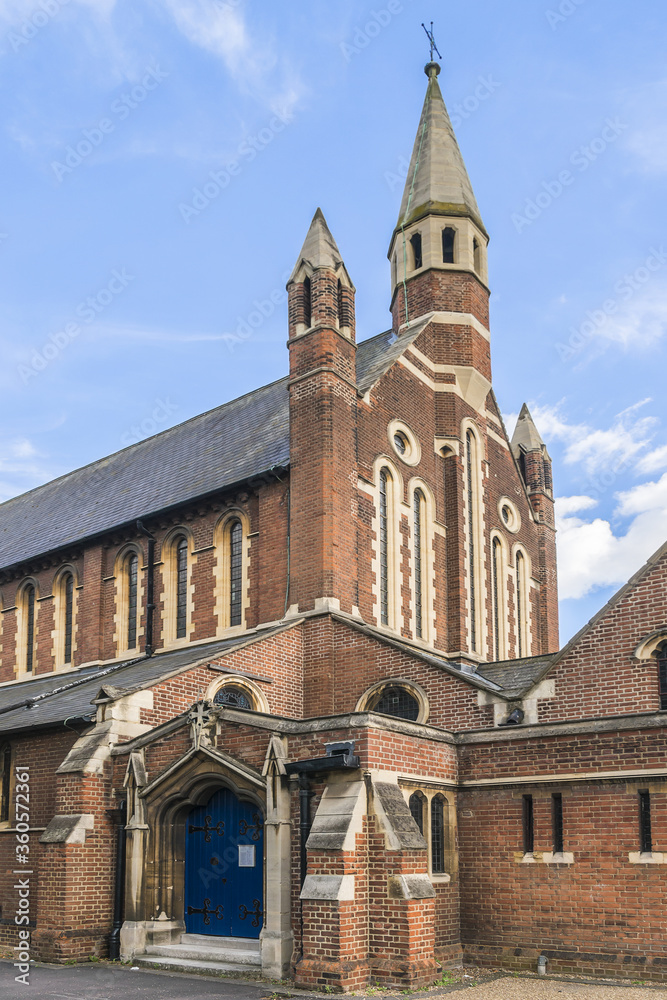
(224, 867)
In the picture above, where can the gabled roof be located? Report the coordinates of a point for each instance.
(229, 445)
(54, 699)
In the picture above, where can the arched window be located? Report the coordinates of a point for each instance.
(397, 701)
(416, 804)
(448, 239)
(662, 675)
(520, 596)
(5, 781)
(416, 244)
(236, 573)
(477, 255)
(28, 608)
(471, 491)
(438, 806)
(181, 551)
(307, 302)
(418, 504)
(496, 573)
(67, 591)
(132, 583)
(341, 305)
(384, 548)
(234, 697)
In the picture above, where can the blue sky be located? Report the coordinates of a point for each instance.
(129, 303)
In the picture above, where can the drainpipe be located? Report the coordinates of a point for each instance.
(304, 821)
(119, 887)
(150, 604)
(542, 965)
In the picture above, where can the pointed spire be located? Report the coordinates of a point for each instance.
(319, 248)
(526, 434)
(437, 180)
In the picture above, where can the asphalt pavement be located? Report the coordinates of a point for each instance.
(104, 982)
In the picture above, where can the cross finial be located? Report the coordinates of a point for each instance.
(431, 38)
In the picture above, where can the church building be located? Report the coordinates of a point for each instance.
(281, 688)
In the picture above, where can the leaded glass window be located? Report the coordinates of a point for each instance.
(384, 549)
(132, 586)
(519, 602)
(495, 570)
(29, 606)
(662, 675)
(416, 804)
(181, 588)
(68, 593)
(397, 701)
(236, 574)
(233, 696)
(470, 487)
(438, 835)
(419, 585)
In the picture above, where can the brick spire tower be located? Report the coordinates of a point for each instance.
(438, 249)
(323, 399)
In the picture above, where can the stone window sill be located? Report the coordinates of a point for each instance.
(544, 858)
(440, 879)
(645, 858)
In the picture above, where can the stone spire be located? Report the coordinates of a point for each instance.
(319, 248)
(437, 181)
(526, 436)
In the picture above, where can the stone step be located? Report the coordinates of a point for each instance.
(208, 952)
(216, 941)
(191, 965)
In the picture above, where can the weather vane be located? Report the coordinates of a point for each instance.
(431, 38)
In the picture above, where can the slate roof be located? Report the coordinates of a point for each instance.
(515, 677)
(215, 450)
(60, 697)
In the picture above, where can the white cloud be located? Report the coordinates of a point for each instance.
(21, 469)
(641, 320)
(590, 555)
(653, 461)
(253, 64)
(594, 449)
(566, 506)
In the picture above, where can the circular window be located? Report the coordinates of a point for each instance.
(400, 444)
(235, 697)
(396, 701)
(509, 514)
(404, 442)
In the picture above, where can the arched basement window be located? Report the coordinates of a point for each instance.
(448, 239)
(416, 244)
(236, 573)
(398, 702)
(438, 805)
(181, 547)
(470, 489)
(416, 804)
(68, 595)
(384, 548)
(132, 570)
(419, 583)
(234, 697)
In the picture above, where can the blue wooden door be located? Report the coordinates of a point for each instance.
(224, 862)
